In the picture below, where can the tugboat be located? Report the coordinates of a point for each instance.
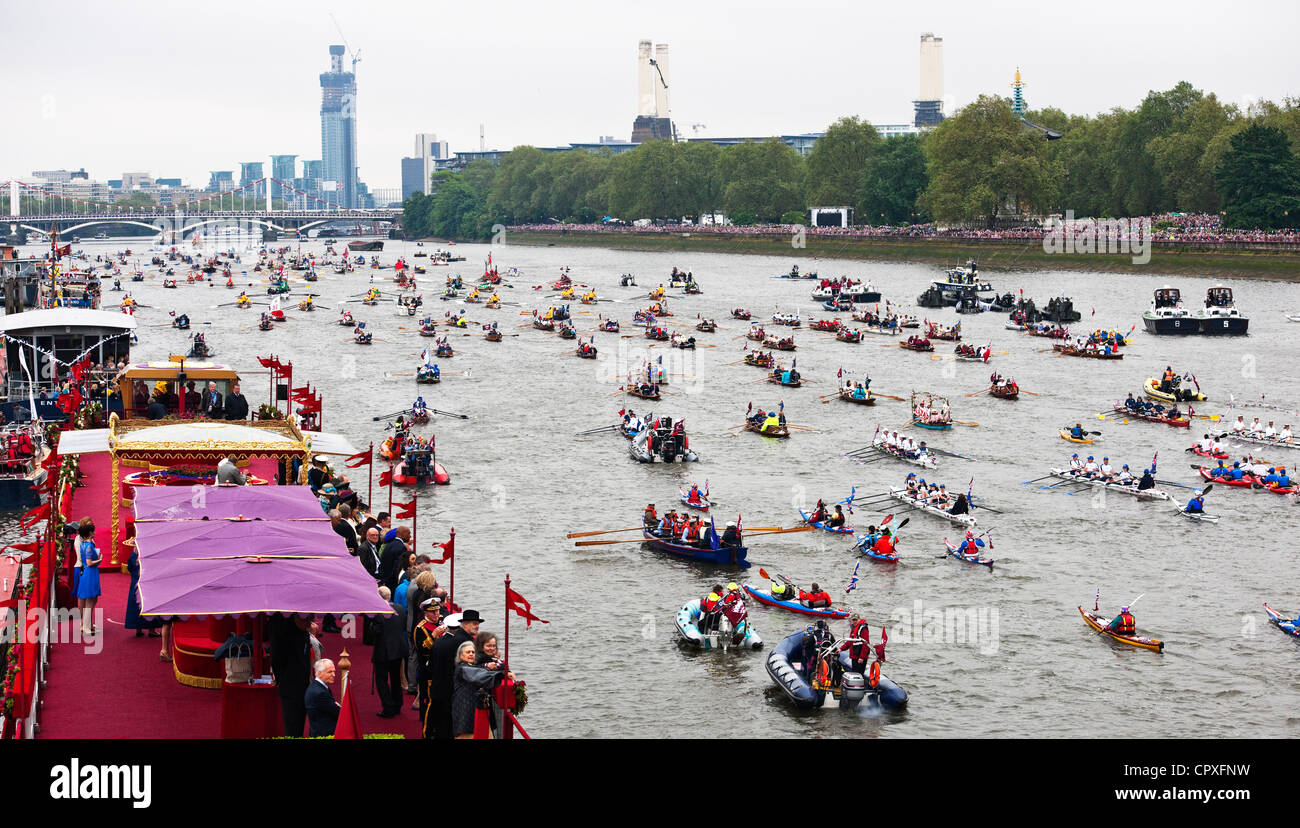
(1167, 314)
(1060, 309)
(963, 281)
(1220, 316)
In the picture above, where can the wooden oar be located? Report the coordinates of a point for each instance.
(782, 531)
(977, 393)
(963, 422)
(886, 396)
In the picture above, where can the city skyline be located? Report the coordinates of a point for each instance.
(533, 82)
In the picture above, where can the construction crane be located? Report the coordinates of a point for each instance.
(667, 115)
(697, 127)
(356, 56)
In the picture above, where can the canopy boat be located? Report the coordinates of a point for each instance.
(1100, 623)
(1113, 486)
(724, 555)
(1176, 394)
(1180, 422)
(688, 627)
(902, 496)
(764, 596)
(1282, 622)
(1091, 353)
(931, 411)
(967, 558)
(785, 666)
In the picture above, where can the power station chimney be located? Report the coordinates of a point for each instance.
(645, 90)
(660, 80)
(929, 103)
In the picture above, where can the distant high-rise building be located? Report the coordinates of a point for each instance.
(220, 182)
(929, 103)
(250, 171)
(338, 129)
(313, 170)
(283, 168)
(652, 116)
(417, 171)
(413, 178)
(136, 180)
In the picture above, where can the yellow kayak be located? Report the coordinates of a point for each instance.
(1065, 435)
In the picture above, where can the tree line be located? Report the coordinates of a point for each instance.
(1179, 150)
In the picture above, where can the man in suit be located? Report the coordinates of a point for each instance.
(291, 664)
(393, 557)
(389, 656)
(322, 709)
(368, 552)
(212, 407)
(343, 528)
(235, 406)
(460, 629)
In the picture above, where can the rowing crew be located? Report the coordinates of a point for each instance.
(822, 515)
(1105, 473)
(895, 443)
(936, 496)
(689, 530)
(1265, 433)
(1210, 446)
(1269, 476)
(1147, 408)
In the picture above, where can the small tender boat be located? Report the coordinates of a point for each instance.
(765, 597)
(688, 627)
(1152, 389)
(1100, 623)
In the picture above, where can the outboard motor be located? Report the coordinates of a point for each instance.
(853, 689)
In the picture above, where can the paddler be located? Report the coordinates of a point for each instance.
(1239, 426)
(837, 520)
(1284, 436)
(968, 549)
(885, 544)
(1105, 473)
(815, 598)
(1124, 623)
(1148, 480)
(1077, 431)
(1283, 480)
(1125, 476)
(1090, 468)
(1196, 505)
(1255, 429)
(1076, 465)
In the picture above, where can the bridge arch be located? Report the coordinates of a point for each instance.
(95, 222)
(229, 222)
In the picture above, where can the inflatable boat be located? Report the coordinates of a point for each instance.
(688, 626)
(644, 450)
(785, 668)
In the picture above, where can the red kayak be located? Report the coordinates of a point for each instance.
(1223, 455)
(1247, 481)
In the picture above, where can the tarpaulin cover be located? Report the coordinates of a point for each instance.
(222, 502)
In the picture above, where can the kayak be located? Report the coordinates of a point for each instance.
(1099, 624)
(1151, 494)
(1246, 482)
(1222, 455)
(871, 553)
(702, 505)
(688, 627)
(1152, 389)
(1282, 622)
(841, 530)
(765, 597)
(978, 559)
(1203, 517)
(1065, 435)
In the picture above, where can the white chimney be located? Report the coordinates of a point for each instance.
(931, 68)
(660, 84)
(645, 91)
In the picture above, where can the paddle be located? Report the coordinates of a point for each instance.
(1129, 605)
(600, 532)
(387, 416)
(963, 422)
(449, 414)
(597, 430)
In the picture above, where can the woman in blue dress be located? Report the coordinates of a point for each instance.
(88, 557)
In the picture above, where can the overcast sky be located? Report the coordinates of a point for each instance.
(178, 89)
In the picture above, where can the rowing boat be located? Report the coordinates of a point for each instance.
(794, 383)
(1099, 624)
(925, 461)
(976, 559)
(1282, 622)
(1070, 350)
(902, 496)
(1141, 494)
(1006, 392)
(1181, 422)
(825, 527)
(848, 396)
(1065, 435)
(733, 555)
(779, 431)
(1202, 517)
(1264, 441)
(765, 597)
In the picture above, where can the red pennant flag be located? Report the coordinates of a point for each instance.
(269, 362)
(517, 602)
(300, 393)
(310, 406)
(361, 458)
(386, 478)
(36, 516)
(448, 551)
(880, 648)
(407, 510)
(25, 547)
(349, 723)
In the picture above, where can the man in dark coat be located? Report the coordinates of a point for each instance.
(393, 557)
(443, 667)
(322, 709)
(368, 552)
(235, 406)
(157, 408)
(291, 664)
(389, 656)
(211, 405)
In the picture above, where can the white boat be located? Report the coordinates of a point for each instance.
(1264, 441)
(902, 496)
(925, 461)
(1141, 494)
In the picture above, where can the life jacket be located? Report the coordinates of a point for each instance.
(780, 591)
(650, 516)
(710, 601)
(1127, 625)
(813, 600)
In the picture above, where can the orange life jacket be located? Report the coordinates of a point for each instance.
(1127, 624)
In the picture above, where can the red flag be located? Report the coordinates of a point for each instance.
(349, 723)
(65, 250)
(310, 406)
(407, 510)
(25, 547)
(36, 515)
(517, 602)
(269, 362)
(448, 551)
(880, 648)
(301, 393)
(361, 458)
(386, 478)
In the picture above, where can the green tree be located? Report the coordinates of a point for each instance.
(983, 162)
(892, 181)
(138, 199)
(765, 179)
(837, 160)
(1259, 178)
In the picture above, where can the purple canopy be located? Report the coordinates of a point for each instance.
(214, 502)
(206, 567)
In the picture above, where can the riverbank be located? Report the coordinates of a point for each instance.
(991, 254)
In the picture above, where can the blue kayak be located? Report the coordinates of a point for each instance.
(842, 530)
(765, 597)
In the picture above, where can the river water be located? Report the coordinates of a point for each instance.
(608, 664)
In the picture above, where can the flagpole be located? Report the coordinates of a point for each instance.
(505, 659)
(370, 488)
(451, 577)
(415, 514)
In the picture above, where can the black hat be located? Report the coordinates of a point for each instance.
(470, 615)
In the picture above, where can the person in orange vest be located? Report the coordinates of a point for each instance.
(1124, 623)
(816, 597)
(649, 517)
(709, 605)
(1167, 384)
